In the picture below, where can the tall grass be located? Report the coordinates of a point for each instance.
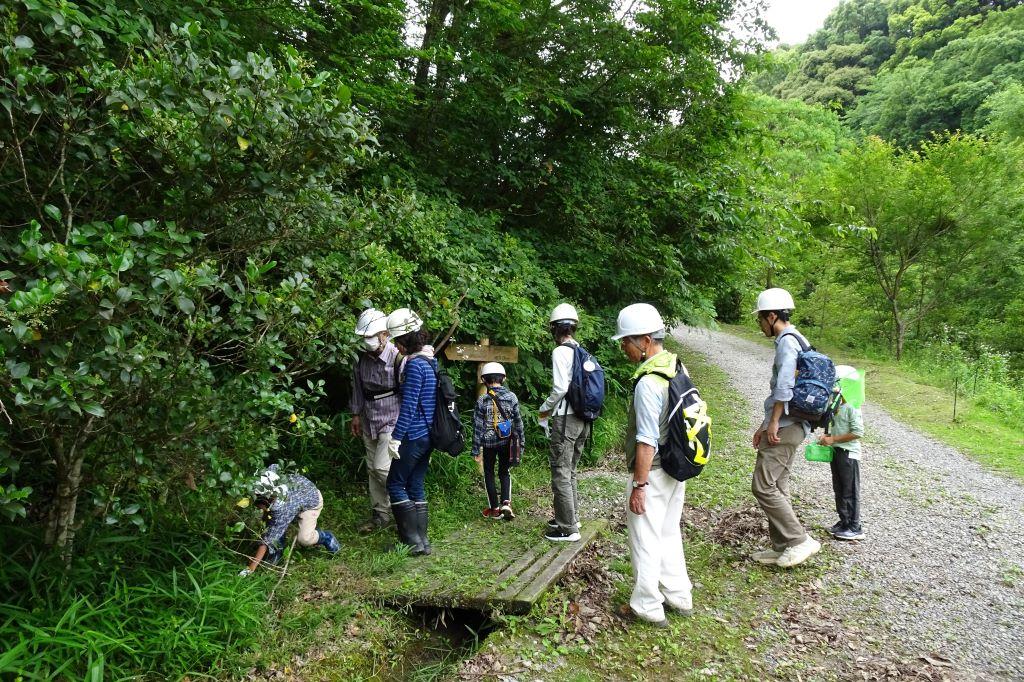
(982, 375)
(181, 610)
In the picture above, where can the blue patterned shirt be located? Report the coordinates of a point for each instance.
(302, 496)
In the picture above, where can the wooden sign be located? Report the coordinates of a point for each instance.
(481, 353)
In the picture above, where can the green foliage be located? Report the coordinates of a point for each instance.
(783, 144)
(1004, 111)
(12, 496)
(198, 200)
(924, 223)
(158, 350)
(905, 69)
(922, 96)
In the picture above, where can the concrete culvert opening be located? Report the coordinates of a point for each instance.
(459, 626)
(449, 636)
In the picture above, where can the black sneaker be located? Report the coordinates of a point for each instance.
(556, 535)
(836, 528)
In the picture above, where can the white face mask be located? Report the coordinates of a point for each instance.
(371, 343)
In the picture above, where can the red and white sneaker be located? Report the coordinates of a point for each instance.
(489, 513)
(506, 511)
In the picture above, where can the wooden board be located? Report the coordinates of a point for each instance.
(455, 576)
(475, 353)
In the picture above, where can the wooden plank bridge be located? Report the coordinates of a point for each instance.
(487, 569)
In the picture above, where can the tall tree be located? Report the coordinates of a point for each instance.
(918, 218)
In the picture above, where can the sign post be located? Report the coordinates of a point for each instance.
(481, 353)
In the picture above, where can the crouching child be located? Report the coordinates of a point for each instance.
(283, 499)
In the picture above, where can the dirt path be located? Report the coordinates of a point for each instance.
(941, 573)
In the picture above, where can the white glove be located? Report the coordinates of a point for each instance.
(244, 572)
(393, 446)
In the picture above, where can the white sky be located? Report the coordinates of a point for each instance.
(794, 20)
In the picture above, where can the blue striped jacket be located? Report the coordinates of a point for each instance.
(419, 398)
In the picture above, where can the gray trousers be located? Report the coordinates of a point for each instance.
(568, 437)
(770, 486)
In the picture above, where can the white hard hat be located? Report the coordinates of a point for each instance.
(269, 484)
(774, 299)
(403, 321)
(846, 372)
(371, 322)
(638, 319)
(564, 311)
(492, 368)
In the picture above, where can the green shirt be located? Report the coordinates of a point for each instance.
(848, 419)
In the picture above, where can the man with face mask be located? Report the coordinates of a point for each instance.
(374, 405)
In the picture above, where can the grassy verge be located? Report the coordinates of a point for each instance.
(987, 437)
(331, 617)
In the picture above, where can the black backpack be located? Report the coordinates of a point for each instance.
(688, 447)
(446, 432)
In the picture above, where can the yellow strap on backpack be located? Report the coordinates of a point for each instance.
(698, 413)
(494, 412)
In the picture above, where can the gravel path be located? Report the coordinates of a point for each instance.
(942, 569)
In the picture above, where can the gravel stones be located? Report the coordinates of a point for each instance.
(942, 568)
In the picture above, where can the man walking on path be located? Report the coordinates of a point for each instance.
(568, 433)
(654, 503)
(374, 405)
(778, 437)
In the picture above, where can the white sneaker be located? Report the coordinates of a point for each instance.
(767, 557)
(798, 554)
(683, 607)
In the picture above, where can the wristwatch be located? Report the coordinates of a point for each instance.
(640, 485)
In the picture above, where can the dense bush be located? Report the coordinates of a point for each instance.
(197, 212)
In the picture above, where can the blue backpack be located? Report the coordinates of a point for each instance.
(813, 394)
(586, 388)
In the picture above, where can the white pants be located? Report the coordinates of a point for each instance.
(378, 464)
(656, 548)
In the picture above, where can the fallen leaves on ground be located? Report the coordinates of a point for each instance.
(815, 631)
(735, 527)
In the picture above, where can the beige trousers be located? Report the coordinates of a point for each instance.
(378, 464)
(307, 524)
(770, 485)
